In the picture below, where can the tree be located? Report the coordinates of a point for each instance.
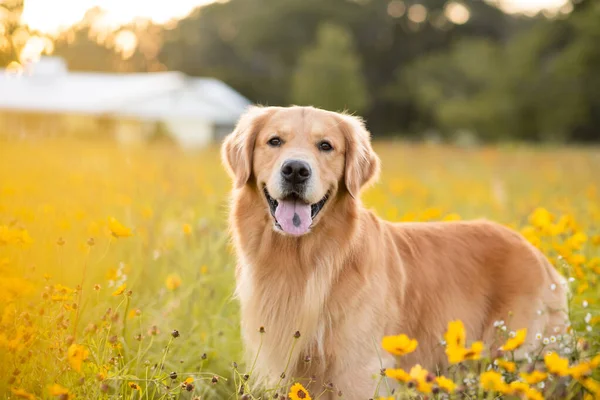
(11, 31)
(329, 74)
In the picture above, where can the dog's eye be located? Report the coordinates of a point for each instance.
(325, 146)
(275, 142)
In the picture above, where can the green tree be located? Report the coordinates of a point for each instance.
(329, 74)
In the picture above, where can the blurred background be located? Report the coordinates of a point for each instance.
(116, 269)
(465, 71)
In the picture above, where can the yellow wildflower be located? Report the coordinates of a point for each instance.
(455, 338)
(534, 377)
(540, 218)
(187, 229)
(77, 354)
(577, 241)
(58, 390)
(189, 379)
(452, 217)
(533, 394)
(508, 366)
(135, 386)
(120, 290)
(173, 281)
(492, 381)
(299, 392)
(591, 385)
(399, 345)
(455, 335)
(419, 375)
(204, 270)
(398, 374)
(117, 229)
(580, 370)
(22, 394)
(556, 365)
(445, 384)
(515, 342)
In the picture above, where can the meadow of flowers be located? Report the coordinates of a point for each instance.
(116, 273)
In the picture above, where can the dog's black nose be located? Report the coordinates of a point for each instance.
(295, 171)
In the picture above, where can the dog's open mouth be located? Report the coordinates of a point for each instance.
(293, 215)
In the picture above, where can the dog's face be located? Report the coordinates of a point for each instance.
(299, 159)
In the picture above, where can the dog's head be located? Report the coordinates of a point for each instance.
(299, 159)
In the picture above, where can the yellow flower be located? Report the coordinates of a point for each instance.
(117, 229)
(187, 229)
(299, 392)
(540, 218)
(455, 335)
(591, 385)
(533, 394)
(419, 375)
(112, 274)
(452, 217)
(534, 377)
(204, 270)
(515, 342)
(77, 354)
(173, 281)
(556, 365)
(399, 345)
(492, 381)
(135, 386)
(517, 387)
(22, 394)
(120, 290)
(577, 241)
(456, 355)
(508, 366)
(398, 374)
(455, 338)
(189, 379)
(58, 390)
(580, 370)
(445, 384)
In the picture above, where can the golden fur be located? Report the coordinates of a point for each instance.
(354, 277)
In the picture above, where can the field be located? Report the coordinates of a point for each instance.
(117, 273)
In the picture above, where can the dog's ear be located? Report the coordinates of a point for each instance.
(238, 146)
(362, 164)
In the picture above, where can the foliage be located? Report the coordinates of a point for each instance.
(329, 74)
(495, 77)
(117, 276)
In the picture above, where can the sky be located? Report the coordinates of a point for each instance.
(51, 16)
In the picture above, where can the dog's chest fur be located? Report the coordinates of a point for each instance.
(284, 305)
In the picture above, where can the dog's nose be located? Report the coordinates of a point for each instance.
(295, 171)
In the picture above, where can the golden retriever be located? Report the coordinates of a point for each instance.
(312, 260)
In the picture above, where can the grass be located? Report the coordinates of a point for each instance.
(89, 314)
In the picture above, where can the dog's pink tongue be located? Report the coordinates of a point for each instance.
(293, 216)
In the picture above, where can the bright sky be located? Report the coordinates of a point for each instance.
(50, 16)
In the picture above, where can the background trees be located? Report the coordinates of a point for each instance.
(408, 66)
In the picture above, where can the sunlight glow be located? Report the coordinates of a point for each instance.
(457, 12)
(56, 15)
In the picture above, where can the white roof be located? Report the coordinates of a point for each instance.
(50, 88)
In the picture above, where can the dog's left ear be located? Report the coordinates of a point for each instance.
(362, 164)
(238, 146)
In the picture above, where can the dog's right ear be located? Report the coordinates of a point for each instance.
(238, 146)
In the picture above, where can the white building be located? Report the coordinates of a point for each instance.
(194, 111)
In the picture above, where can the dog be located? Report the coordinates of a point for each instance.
(321, 280)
